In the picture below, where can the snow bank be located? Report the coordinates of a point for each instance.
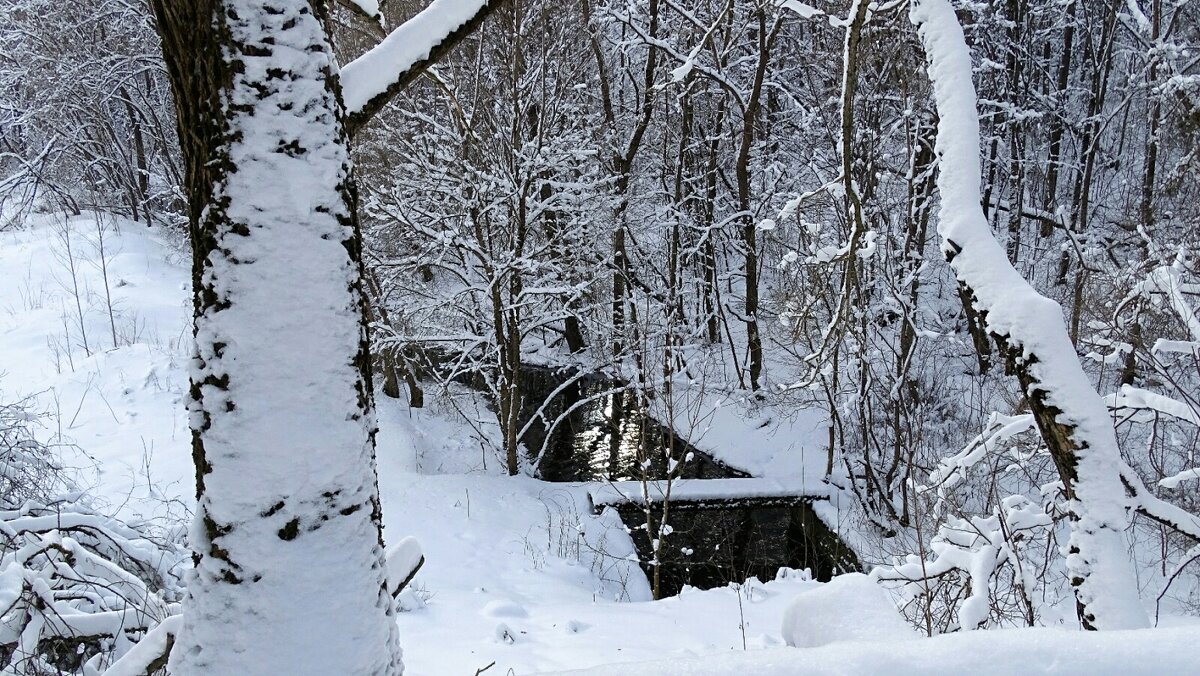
(621, 492)
(849, 608)
(1019, 651)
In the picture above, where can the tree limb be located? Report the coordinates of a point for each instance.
(373, 79)
(1157, 509)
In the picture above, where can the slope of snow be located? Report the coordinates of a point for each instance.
(734, 429)
(122, 405)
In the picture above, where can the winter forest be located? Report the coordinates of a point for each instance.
(637, 337)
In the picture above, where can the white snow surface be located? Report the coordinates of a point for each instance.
(998, 653)
(372, 73)
(122, 406)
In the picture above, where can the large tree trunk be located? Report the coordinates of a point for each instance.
(287, 537)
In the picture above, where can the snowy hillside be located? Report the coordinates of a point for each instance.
(508, 576)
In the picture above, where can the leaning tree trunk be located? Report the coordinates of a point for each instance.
(1032, 336)
(287, 537)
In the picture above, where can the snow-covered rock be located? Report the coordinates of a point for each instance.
(849, 608)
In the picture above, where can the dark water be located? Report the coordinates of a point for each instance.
(607, 435)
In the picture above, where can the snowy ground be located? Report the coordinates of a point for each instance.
(1002, 652)
(120, 404)
(518, 572)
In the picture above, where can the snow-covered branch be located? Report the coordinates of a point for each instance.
(150, 653)
(1157, 509)
(371, 80)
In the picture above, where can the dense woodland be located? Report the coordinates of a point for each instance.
(739, 199)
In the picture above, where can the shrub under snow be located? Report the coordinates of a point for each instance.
(77, 588)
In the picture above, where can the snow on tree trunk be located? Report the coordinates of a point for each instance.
(290, 575)
(1030, 331)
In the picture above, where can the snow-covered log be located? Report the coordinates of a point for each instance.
(1031, 334)
(404, 559)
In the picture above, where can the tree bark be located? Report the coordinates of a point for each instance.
(281, 407)
(754, 347)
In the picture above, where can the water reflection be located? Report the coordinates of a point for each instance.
(602, 433)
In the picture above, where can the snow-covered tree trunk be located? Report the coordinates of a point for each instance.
(290, 575)
(1031, 333)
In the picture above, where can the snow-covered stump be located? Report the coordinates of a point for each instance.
(290, 575)
(1030, 332)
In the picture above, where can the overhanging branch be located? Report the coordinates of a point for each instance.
(373, 79)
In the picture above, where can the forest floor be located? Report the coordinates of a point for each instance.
(519, 576)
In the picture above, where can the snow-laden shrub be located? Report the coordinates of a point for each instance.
(77, 588)
(27, 468)
(980, 571)
(999, 516)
